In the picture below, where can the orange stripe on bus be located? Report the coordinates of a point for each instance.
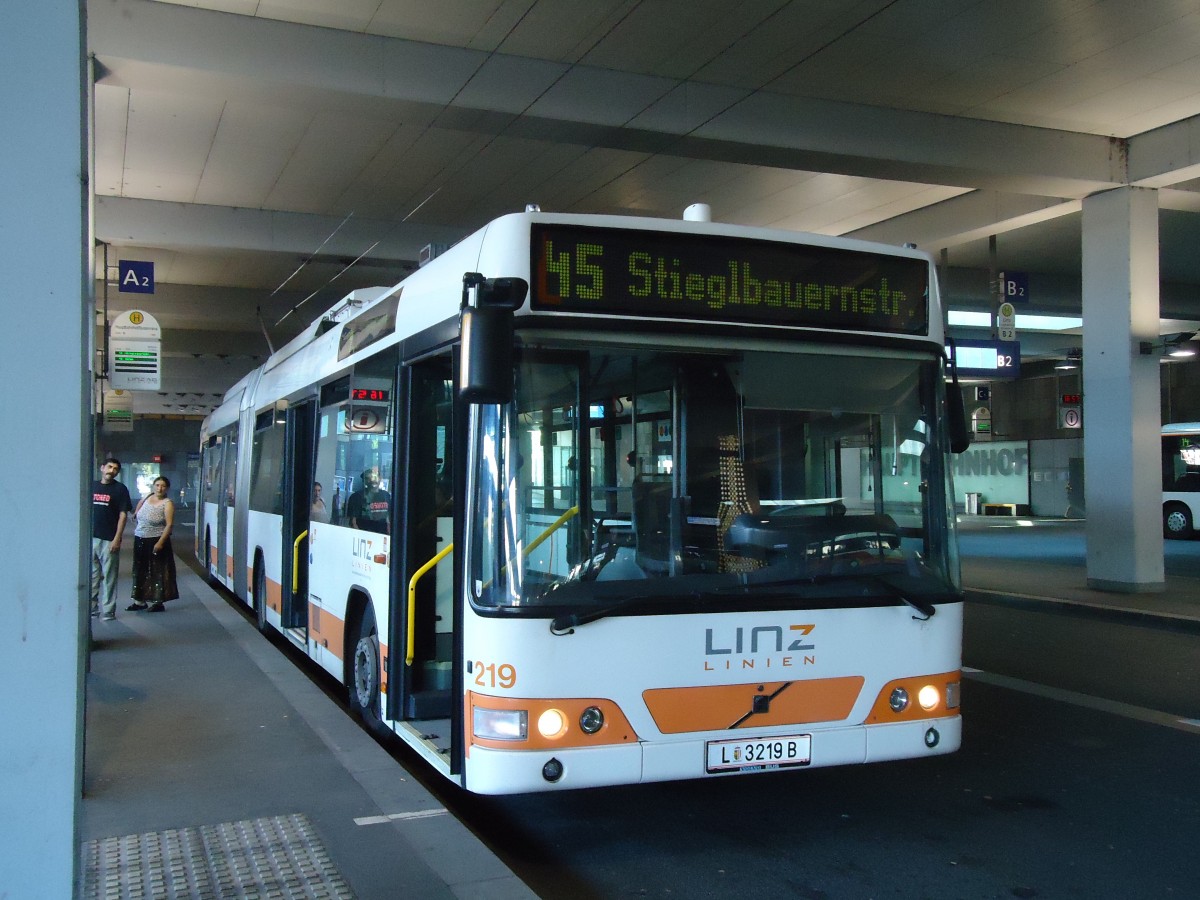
(327, 630)
(720, 707)
(274, 598)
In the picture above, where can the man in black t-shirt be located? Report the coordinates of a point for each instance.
(369, 508)
(110, 508)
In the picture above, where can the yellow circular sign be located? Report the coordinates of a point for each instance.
(136, 317)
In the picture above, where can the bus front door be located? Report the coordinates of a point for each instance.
(427, 681)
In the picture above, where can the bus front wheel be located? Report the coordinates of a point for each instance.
(1177, 521)
(364, 674)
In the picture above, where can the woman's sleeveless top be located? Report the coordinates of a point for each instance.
(151, 520)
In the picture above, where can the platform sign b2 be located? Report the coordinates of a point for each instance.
(1006, 319)
(1014, 287)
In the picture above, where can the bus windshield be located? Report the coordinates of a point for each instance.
(673, 481)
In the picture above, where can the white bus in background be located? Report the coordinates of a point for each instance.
(1181, 479)
(649, 499)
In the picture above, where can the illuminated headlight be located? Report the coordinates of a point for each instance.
(928, 697)
(551, 724)
(500, 724)
(899, 700)
(591, 720)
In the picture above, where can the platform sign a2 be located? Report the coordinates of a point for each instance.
(135, 276)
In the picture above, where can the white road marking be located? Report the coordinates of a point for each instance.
(1126, 710)
(400, 817)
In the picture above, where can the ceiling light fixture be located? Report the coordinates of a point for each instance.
(1073, 359)
(1177, 346)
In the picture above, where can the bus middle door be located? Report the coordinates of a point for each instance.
(298, 488)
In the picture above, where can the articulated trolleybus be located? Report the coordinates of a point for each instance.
(593, 500)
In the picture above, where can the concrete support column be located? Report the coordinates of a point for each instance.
(1122, 421)
(45, 448)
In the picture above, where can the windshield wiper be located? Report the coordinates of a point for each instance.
(925, 608)
(568, 622)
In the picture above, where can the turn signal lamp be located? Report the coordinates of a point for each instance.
(500, 724)
(952, 693)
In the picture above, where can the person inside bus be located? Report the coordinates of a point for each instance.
(318, 511)
(369, 507)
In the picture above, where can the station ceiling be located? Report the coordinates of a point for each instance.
(269, 156)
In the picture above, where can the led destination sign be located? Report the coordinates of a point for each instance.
(724, 279)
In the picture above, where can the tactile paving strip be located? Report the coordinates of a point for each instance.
(280, 858)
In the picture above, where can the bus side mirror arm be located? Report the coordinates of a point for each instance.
(956, 411)
(486, 328)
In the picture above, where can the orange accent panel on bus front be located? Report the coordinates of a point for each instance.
(883, 712)
(718, 707)
(616, 728)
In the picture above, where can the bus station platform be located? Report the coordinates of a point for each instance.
(214, 767)
(1041, 564)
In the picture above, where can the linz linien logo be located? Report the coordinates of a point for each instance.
(760, 647)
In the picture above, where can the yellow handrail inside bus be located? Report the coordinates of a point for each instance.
(410, 650)
(296, 560)
(537, 541)
(553, 527)
(412, 601)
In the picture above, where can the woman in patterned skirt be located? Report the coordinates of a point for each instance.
(153, 559)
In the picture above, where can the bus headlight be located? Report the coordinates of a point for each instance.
(591, 720)
(500, 724)
(899, 700)
(928, 697)
(551, 724)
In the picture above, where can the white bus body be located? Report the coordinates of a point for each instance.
(1181, 479)
(709, 531)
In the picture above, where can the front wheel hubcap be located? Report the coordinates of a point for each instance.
(365, 671)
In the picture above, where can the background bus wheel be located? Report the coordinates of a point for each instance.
(364, 674)
(1177, 521)
(260, 592)
(209, 576)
